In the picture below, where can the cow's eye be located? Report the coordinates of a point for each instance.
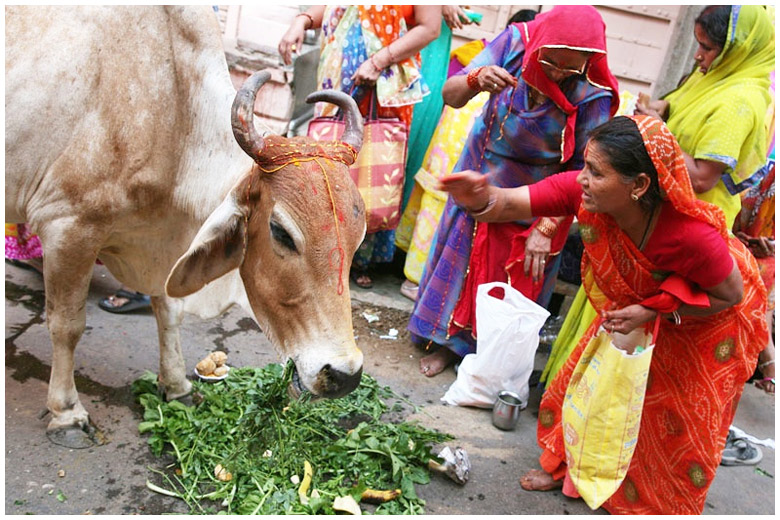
(283, 237)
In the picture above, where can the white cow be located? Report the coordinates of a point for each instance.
(119, 146)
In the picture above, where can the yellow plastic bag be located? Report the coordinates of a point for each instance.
(602, 411)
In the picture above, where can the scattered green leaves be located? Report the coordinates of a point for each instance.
(247, 424)
(763, 472)
(61, 496)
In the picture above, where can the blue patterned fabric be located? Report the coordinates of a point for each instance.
(516, 146)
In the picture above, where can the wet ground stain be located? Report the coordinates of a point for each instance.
(244, 325)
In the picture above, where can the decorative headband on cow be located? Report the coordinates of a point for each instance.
(275, 152)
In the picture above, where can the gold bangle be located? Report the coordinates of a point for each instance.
(547, 227)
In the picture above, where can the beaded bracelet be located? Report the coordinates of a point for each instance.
(472, 79)
(307, 15)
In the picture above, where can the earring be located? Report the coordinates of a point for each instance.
(634, 196)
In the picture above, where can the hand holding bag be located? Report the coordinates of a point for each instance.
(379, 170)
(602, 410)
(507, 338)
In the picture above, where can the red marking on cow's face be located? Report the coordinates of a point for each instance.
(314, 190)
(340, 215)
(327, 227)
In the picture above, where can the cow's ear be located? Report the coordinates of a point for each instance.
(217, 249)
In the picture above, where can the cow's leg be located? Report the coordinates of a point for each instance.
(67, 271)
(169, 312)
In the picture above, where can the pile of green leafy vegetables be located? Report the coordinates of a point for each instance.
(248, 425)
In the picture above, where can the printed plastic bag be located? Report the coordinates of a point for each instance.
(602, 411)
(507, 339)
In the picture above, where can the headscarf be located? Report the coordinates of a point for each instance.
(350, 35)
(576, 27)
(611, 261)
(736, 86)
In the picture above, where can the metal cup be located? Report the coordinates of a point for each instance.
(506, 410)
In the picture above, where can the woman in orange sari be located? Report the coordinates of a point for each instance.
(650, 247)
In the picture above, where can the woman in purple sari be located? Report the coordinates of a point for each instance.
(550, 85)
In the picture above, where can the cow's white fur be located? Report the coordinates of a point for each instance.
(119, 147)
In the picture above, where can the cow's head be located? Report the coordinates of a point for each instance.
(290, 226)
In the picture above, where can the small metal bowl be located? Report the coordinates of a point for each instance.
(506, 410)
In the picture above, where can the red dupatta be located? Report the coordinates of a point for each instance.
(613, 269)
(576, 27)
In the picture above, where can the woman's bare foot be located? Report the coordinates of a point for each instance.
(539, 480)
(435, 363)
(766, 364)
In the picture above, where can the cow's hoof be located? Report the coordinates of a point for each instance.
(75, 437)
(170, 394)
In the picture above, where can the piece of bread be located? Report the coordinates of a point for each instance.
(206, 366)
(219, 357)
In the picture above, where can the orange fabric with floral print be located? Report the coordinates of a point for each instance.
(387, 28)
(699, 367)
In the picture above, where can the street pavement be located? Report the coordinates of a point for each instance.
(42, 478)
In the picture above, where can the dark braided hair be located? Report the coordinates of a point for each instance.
(620, 140)
(714, 21)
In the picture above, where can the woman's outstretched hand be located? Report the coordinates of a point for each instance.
(468, 188)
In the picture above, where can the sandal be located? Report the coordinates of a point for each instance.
(739, 451)
(135, 301)
(361, 278)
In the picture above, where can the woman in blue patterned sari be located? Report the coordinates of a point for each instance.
(550, 85)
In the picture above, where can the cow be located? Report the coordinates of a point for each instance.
(126, 142)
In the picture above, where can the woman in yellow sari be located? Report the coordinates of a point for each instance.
(718, 113)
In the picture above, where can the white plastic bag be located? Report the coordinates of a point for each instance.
(507, 339)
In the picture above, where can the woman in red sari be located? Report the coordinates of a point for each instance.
(650, 246)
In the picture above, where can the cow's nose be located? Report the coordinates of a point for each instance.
(332, 383)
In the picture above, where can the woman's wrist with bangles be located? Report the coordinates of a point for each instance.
(488, 207)
(377, 60)
(674, 317)
(472, 79)
(547, 227)
(373, 62)
(309, 17)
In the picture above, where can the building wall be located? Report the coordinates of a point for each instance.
(649, 47)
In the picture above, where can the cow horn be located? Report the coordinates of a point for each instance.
(242, 115)
(353, 127)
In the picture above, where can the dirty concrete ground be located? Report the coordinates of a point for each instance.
(116, 349)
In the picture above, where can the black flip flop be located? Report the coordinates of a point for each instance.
(135, 301)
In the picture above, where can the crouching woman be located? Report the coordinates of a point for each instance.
(643, 227)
